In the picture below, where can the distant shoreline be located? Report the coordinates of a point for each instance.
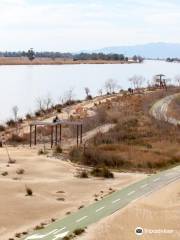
(56, 61)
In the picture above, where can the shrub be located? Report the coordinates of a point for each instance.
(29, 191)
(78, 231)
(89, 97)
(20, 171)
(28, 116)
(82, 173)
(11, 123)
(2, 128)
(12, 161)
(4, 174)
(75, 154)
(17, 139)
(58, 150)
(102, 172)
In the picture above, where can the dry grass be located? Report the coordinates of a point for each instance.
(50, 61)
(137, 142)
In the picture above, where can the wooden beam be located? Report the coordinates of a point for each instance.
(77, 135)
(52, 128)
(35, 137)
(56, 135)
(81, 141)
(30, 136)
(60, 133)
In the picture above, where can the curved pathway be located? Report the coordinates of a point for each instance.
(160, 108)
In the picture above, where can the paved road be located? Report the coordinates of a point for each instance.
(106, 207)
(159, 109)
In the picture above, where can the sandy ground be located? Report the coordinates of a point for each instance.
(45, 176)
(160, 210)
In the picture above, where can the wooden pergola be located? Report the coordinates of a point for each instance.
(57, 126)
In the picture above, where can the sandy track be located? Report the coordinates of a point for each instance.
(160, 108)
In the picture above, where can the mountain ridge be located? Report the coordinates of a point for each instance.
(149, 50)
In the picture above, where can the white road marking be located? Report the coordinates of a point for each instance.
(81, 219)
(60, 230)
(100, 209)
(145, 185)
(117, 200)
(155, 180)
(61, 235)
(40, 236)
(131, 193)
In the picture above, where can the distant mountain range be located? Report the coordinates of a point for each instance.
(151, 50)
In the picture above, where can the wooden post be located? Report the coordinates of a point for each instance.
(81, 134)
(35, 138)
(77, 135)
(60, 132)
(30, 136)
(52, 128)
(56, 135)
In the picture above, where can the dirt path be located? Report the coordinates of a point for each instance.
(160, 108)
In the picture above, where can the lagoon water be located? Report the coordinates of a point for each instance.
(22, 85)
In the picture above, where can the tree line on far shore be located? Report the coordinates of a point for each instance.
(31, 54)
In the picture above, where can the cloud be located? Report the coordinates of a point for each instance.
(78, 24)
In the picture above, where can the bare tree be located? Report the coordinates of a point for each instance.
(137, 81)
(87, 91)
(40, 103)
(15, 110)
(111, 85)
(100, 92)
(69, 94)
(48, 101)
(177, 80)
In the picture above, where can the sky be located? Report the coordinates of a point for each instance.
(74, 25)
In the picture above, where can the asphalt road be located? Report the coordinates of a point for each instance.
(106, 207)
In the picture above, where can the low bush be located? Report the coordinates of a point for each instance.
(102, 172)
(2, 128)
(78, 231)
(28, 116)
(11, 123)
(4, 174)
(75, 154)
(58, 150)
(29, 191)
(15, 138)
(82, 173)
(20, 171)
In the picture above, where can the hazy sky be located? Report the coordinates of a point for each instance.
(71, 25)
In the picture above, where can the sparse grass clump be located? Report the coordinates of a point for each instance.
(29, 191)
(20, 171)
(42, 152)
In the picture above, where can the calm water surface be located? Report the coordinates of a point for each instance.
(22, 85)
